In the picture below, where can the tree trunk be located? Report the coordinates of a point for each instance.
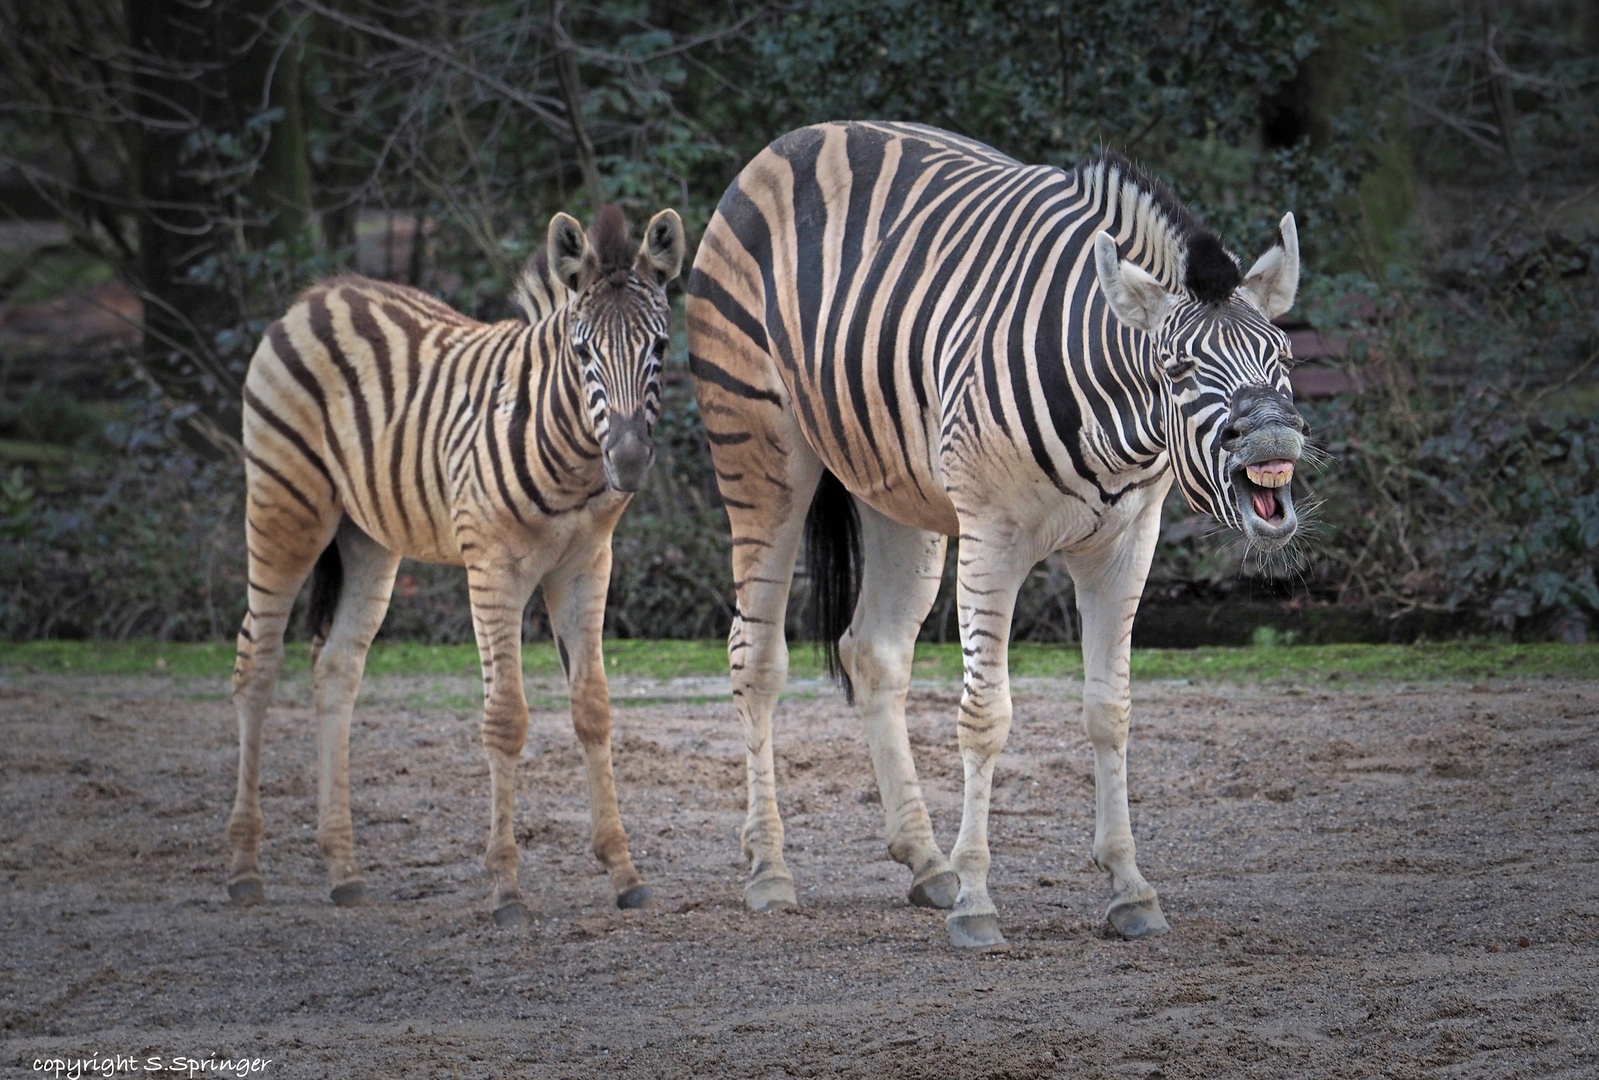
(267, 76)
(180, 224)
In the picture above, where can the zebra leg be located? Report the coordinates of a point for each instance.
(575, 596)
(899, 582)
(368, 583)
(991, 570)
(284, 540)
(767, 516)
(767, 475)
(1109, 584)
(757, 655)
(500, 592)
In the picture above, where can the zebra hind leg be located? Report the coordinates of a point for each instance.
(283, 545)
(901, 571)
(360, 605)
(767, 497)
(757, 654)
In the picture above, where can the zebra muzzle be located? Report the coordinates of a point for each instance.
(1266, 501)
(628, 452)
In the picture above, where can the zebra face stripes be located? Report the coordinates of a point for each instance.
(1224, 368)
(1211, 358)
(1022, 356)
(381, 424)
(618, 333)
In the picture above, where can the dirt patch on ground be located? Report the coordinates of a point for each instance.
(1370, 882)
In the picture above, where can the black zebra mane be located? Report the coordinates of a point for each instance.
(538, 293)
(608, 237)
(1209, 272)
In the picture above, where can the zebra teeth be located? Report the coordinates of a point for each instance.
(1271, 474)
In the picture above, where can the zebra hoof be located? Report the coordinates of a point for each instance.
(1138, 919)
(976, 933)
(512, 914)
(770, 894)
(938, 891)
(636, 897)
(350, 894)
(247, 891)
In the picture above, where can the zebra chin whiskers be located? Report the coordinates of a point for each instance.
(1314, 457)
(1293, 557)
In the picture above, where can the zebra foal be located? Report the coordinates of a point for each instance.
(379, 423)
(898, 335)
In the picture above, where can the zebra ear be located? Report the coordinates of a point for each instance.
(571, 260)
(660, 256)
(1274, 279)
(1134, 296)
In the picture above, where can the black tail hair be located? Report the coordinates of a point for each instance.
(832, 561)
(327, 581)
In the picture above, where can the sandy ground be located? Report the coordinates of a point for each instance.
(1362, 882)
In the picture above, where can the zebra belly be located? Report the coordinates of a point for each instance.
(906, 506)
(905, 485)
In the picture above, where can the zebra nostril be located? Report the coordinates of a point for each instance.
(1229, 435)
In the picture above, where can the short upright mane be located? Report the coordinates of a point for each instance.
(1167, 240)
(609, 239)
(538, 293)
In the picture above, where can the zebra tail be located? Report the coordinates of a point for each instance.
(833, 561)
(327, 582)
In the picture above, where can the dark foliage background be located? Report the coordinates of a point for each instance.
(171, 174)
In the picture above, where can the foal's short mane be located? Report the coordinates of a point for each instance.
(608, 236)
(538, 293)
(1167, 238)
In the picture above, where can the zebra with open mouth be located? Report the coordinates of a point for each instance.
(898, 335)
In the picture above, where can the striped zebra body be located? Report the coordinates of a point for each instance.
(1020, 356)
(381, 424)
(425, 428)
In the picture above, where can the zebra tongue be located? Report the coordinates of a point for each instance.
(1265, 503)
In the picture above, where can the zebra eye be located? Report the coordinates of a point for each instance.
(658, 349)
(1179, 367)
(581, 348)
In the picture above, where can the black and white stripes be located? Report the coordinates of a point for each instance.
(1020, 356)
(380, 424)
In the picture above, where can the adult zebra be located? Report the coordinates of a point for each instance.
(938, 341)
(380, 423)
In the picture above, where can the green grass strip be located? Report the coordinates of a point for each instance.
(1451, 661)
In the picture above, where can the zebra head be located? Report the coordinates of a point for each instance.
(1231, 429)
(617, 328)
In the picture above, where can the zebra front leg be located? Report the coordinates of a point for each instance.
(368, 571)
(902, 569)
(499, 593)
(1109, 584)
(576, 600)
(991, 570)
